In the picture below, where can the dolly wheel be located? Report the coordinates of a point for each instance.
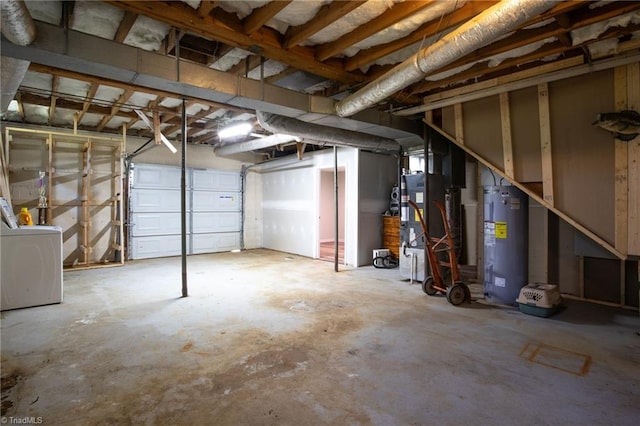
(456, 294)
(427, 286)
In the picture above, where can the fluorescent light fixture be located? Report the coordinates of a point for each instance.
(239, 129)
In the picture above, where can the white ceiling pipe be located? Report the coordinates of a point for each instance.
(474, 34)
(260, 143)
(323, 135)
(18, 28)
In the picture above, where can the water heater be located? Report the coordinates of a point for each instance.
(506, 238)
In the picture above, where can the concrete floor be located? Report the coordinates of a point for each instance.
(271, 338)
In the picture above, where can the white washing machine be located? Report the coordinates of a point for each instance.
(30, 266)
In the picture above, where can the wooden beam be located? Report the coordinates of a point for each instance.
(265, 41)
(300, 147)
(393, 15)
(126, 23)
(327, 14)
(481, 69)
(54, 90)
(621, 184)
(459, 123)
(262, 15)
(190, 121)
(450, 20)
(633, 102)
(32, 99)
(527, 36)
(247, 64)
(124, 97)
(545, 143)
(206, 6)
(156, 128)
(170, 41)
(151, 105)
(509, 78)
(507, 146)
(88, 100)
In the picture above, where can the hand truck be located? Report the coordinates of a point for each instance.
(441, 253)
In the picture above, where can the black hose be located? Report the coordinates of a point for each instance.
(385, 262)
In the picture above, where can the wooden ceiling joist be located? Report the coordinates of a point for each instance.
(260, 16)
(450, 20)
(125, 26)
(265, 41)
(206, 6)
(482, 68)
(124, 97)
(327, 14)
(190, 120)
(393, 15)
(87, 101)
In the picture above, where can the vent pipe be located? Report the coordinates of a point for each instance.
(266, 142)
(476, 33)
(323, 135)
(18, 28)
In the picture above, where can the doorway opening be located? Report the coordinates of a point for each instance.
(327, 216)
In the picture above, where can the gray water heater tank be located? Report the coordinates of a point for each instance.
(506, 238)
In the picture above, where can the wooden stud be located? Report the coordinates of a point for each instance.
(545, 143)
(300, 146)
(457, 111)
(428, 116)
(50, 171)
(156, 127)
(507, 147)
(633, 153)
(621, 228)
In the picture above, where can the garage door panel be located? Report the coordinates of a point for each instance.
(157, 246)
(215, 242)
(215, 201)
(153, 200)
(216, 180)
(216, 222)
(213, 210)
(155, 176)
(157, 224)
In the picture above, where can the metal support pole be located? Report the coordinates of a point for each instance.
(183, 183)
(337, 228)
(183, 200)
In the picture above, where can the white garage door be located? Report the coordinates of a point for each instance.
(213, 211)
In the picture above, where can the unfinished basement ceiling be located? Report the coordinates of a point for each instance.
(324, 48)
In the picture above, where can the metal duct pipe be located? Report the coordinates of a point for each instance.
(476, 33)
(266, 142)
(18, 28)
(311, 133)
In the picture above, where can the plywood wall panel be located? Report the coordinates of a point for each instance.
(525, 134)
(583, 155)
(483, 130)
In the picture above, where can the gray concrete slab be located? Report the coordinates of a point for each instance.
(271, 338)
